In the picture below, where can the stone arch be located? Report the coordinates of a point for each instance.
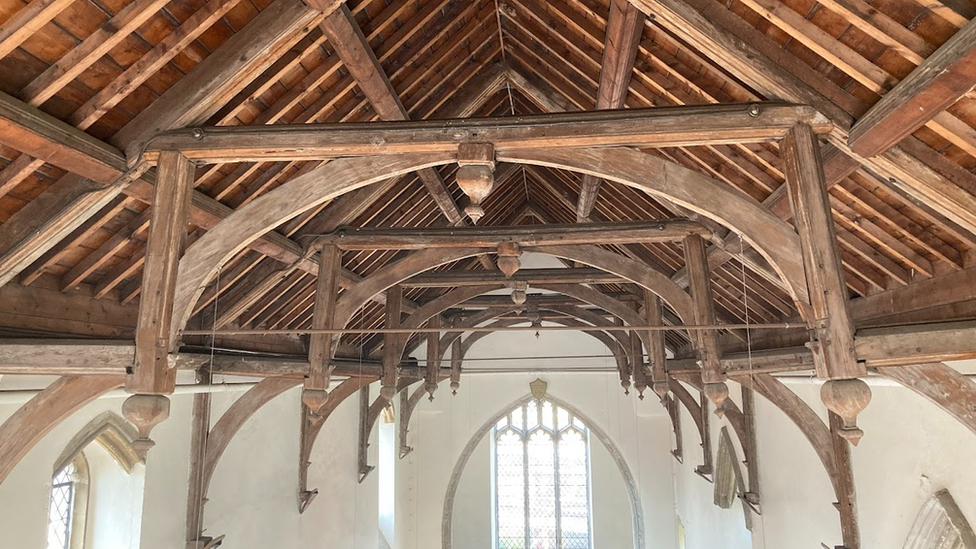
(940, 524)
(633, 491)
(115, 434)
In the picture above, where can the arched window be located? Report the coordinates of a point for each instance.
(68, 506)
(541, 469)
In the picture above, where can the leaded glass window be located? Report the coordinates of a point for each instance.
(542, 479)
(62, 503)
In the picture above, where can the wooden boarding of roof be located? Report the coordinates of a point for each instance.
(117, 71)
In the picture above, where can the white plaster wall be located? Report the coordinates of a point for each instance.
(911, 449)
(707, 526)
(440, 430)
(114, 501)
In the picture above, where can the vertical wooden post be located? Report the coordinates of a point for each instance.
(847, 494)
(657, 353)
(675, 412)
(322, 346)
(433, 357)
(195, 499)
(455, 365)
(831, 327)
(752, 448)
(391, 361)
(706, 468)
(364, 428)
(625, 365)
(709, 356)
(152, 376)
(637, 364)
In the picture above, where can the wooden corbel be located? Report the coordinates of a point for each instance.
(476, 175)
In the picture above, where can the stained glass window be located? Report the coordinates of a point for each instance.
(542, 479)
(62, 502)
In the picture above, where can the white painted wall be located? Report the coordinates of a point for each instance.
(114, 501)
(911, 450)
(441, 429)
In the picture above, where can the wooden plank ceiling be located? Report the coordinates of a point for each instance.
(107, 66)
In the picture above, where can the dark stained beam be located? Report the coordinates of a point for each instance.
(940, 81)
(624, 27)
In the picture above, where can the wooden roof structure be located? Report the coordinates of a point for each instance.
(88, 86)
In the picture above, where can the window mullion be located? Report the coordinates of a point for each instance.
(525, 476)
(556, 482)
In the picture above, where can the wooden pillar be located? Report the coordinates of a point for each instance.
(195, 497)
(455, 365)
(391, 360)
(657, 353)
(433, 357)
(624, 365)
(364, 427)
(846, 492)
(637, 364)
(699, 282)
(751, 445)
(706, 468)
(322, 346)
(152, 375)
(675, 412)
(830, 324)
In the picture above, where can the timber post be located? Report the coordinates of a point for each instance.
(322, 346)
(152, 376)
(706, 341)
(391, 343)
(831, 328)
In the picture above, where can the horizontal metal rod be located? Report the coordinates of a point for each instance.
(454, 279)
(340, 331)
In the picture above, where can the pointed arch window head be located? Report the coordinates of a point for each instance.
(540, 456)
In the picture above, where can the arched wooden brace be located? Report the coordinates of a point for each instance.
(802, 416)
(943, 386)
(246, 224)
(416, 398)
(312, 426)
(732, 413)
(41, 414)
(234, 418)
(772, 237)
(691, 404)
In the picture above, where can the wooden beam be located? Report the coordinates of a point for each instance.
(198, 95)
(391, 360)
(844, 483)
(27, 21)
(167, 229)
(455, 278)
(830, 318)
(940, 81)
(657, 352)
(364, 238)
(321, 347)
(624, 28)
(654, 127)
(709, 353)
(352, 47)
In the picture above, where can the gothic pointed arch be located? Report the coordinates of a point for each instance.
(637, 513)
(113, 433)
(940, 524)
